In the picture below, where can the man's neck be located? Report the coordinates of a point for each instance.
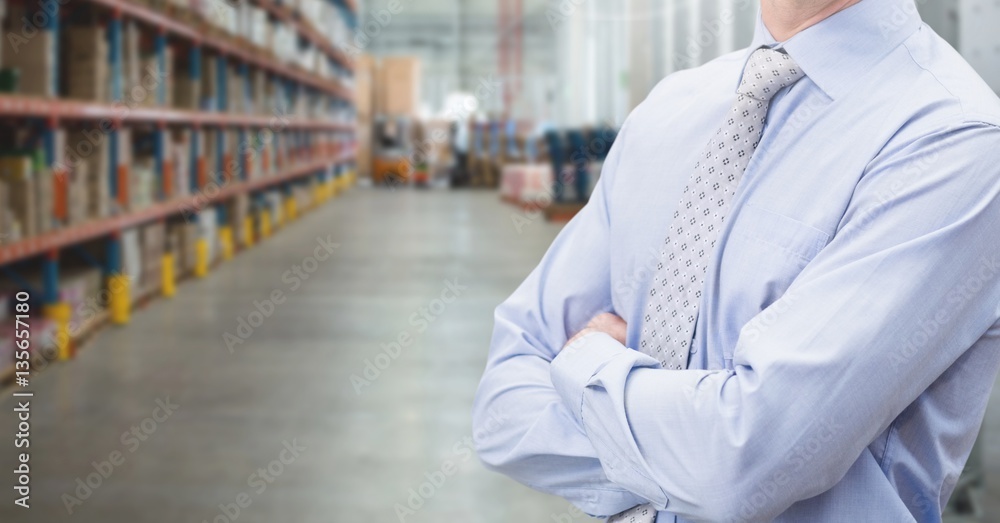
(785, 18)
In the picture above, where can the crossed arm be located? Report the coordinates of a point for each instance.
(606, 428)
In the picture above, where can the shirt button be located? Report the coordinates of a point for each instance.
(694, 349)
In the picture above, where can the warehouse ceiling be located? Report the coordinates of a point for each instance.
(458, 40)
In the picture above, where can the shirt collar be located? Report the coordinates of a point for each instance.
(837, 51)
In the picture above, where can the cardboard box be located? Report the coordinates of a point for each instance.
(399, 79)
(209, 81)
(208, 228)
(79, 188)
(35, 59)
(87, 68)
(153, 79)
(18, 173)
(363, 159)
(364, 80)
(183, 242)
(154, 239)
(80, 287)
(131, 62)
(180, 161)
(187, 91)
(89, 147)
(239, 209)
(132, 266)
(142, 190)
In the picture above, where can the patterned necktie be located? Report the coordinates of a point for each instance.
(668, 326)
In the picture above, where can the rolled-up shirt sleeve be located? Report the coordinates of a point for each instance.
(910, 281)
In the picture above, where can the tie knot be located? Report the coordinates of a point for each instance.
(767, 72)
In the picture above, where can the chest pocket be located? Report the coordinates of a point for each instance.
(761, 257)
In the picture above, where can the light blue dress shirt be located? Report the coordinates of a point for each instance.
(848, 337)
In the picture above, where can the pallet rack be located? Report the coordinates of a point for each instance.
(321, 150)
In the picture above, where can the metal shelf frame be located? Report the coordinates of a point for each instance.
(222, 46)
(54, 241)
(12, 105)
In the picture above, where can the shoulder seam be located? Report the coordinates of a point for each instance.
(909, 52)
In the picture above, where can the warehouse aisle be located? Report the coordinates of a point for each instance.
(277, 425)
(401, 259)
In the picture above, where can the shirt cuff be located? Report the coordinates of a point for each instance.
(575, 365)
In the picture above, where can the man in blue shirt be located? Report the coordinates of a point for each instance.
(781, 303)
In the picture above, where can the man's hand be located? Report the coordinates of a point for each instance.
(608, 323)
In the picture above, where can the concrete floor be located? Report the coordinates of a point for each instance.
(290, 381)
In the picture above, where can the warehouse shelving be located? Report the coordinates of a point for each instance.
(30, 106)
(318, 151)
(75, 235)
(168, 25)
(305, 28)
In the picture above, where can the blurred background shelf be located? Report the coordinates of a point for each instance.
(147, 141)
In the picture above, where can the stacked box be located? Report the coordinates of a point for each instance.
(35, 59)
(208, 228)
(87, 76)
(233, 148)
(89, 146)
(398, 86)
(258, 26)
(180, 158)
(365, 76)
(78, 206)
(236, 92)
(80, 287)
(183, 241)
(187, 91)
(239, 210)
(152, 78)
(209, 81)
(154, 237)
(258, 91)
(142, 189)
(131, 64)
(274, 202)
(18, 173)
(132, 263)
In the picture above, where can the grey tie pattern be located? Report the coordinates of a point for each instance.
(672, 308)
